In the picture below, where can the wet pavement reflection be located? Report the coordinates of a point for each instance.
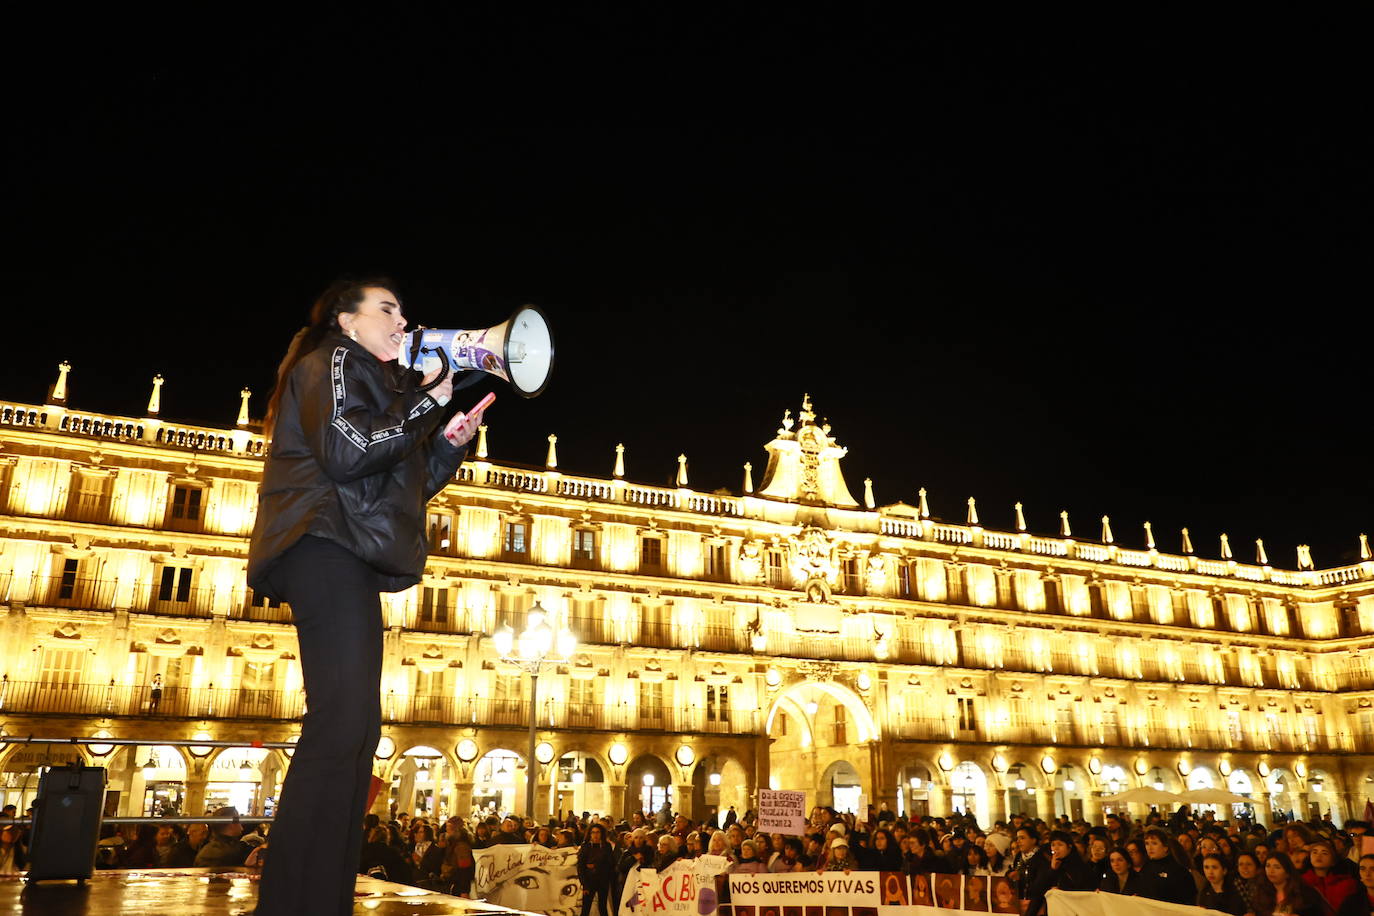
(206, 892)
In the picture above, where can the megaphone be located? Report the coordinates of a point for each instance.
(520, 350)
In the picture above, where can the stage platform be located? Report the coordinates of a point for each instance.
(207, 892)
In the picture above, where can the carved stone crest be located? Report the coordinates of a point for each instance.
(751, 561)
(815, 569)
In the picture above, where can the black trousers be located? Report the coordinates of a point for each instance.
(601, 895)
(316, 840)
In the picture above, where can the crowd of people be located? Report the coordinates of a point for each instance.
(1306, 869)
(1230, 866)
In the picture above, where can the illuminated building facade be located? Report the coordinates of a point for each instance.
(789, 635)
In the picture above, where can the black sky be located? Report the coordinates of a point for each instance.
(1117, 268)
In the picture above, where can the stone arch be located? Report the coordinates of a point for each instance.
(1241, 782)
(163, 789)
(421, 779)
(639, 792)
(1022, 782)
(1202, 777)
(1360, 787)
(914, 800)
(1166, 776)
(969, 788)
(1027, 770)
(842, 796)
(497, 780)
(793, 708)
(1283, 787)
(227, 782)
(1072, 784)
(588, 791)
(1324, 792)
(719, 780)
(25, 760)
(1116, 778)
(586, 749)
(36, 755)
(866, 729)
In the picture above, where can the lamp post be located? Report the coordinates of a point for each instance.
(537, 644)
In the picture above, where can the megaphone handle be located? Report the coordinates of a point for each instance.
(443, 374)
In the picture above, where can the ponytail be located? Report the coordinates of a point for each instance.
(341, 296)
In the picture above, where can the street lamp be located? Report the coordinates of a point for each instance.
(536, 644)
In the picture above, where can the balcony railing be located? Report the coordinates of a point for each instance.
(44, 697)
(74, 592)
(83, 593)
(514, 713)
(1077, 735)
(84, 699)
(260, 611)
(438, 619)
(152, 598)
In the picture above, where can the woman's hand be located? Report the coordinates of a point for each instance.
(463, 426)
(443, 391)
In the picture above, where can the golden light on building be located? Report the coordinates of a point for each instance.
(787, 635)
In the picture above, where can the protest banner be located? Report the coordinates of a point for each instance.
(896, 894)
(629, 893)
(829, 893)
(685, 888)
(1091, 903)
(540, 880)
(782, 811)
(528, 877)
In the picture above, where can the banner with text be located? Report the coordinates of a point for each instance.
(528, 877)
(896, 894)
(685, 888)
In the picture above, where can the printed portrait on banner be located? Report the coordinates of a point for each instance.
(1004, 896)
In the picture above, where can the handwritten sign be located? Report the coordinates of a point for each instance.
(782, 811)
(685, 888)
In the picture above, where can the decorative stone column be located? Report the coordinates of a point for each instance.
(462, 798)
(883, 781)
(542, 803)
(1044, 805)
(1264, 811)
(941, 800)
(997, 804)
(1345, 807)
(1092, 808)
(683, 805)
(762, 771)
(615, 800)
(194, 806)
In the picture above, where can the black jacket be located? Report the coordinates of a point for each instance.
(1110, 885)
(596, 865)
(890, 859)
(1357, 904)
(1073, 874)
(385, 856)
(1033, 879)
(356, 453)
(1168, 880)
(925, 864)
(430, 864)
(1228, 901)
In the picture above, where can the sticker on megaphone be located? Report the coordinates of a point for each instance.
(519, 350)
(466, 350)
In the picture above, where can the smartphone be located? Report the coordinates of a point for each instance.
(485, 402)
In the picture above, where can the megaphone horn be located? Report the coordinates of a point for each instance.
(519, 350)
